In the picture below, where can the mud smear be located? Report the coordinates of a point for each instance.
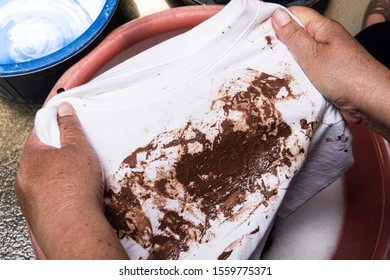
(209, 175)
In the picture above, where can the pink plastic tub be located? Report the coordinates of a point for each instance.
(366, 229)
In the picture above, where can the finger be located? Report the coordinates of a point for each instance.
(299, 42)
(70, 128)
(305, 15)
(319, 27)
(310, 19)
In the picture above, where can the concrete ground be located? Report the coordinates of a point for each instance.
(16, 121)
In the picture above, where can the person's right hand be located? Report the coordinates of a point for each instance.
(340, 68)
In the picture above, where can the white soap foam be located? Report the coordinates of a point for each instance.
(31, 29)
(313, 231)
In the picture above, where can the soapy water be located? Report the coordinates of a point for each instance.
(313, 231)
(31, 29)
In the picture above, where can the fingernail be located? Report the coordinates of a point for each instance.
(65, 109)
(282, 17)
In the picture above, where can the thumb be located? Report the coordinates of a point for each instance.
(70, 128)
(300, 43)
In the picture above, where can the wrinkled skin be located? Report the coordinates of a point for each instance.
(341, 69)
(60, 192)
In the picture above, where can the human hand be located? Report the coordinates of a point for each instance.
(340, 68)
(60, 192)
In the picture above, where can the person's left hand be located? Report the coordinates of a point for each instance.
(60, 192)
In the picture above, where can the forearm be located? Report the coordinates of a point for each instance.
(374, 104)
(79, 234)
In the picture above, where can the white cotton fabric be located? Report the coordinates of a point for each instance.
(160, 90)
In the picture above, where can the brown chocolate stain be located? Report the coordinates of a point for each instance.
(268, 38)
(131, 160)
(256, 230)
(217, 179)
(225, 255)
(167, 247)
(308, 127)
(341, 138)
(127, 217)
